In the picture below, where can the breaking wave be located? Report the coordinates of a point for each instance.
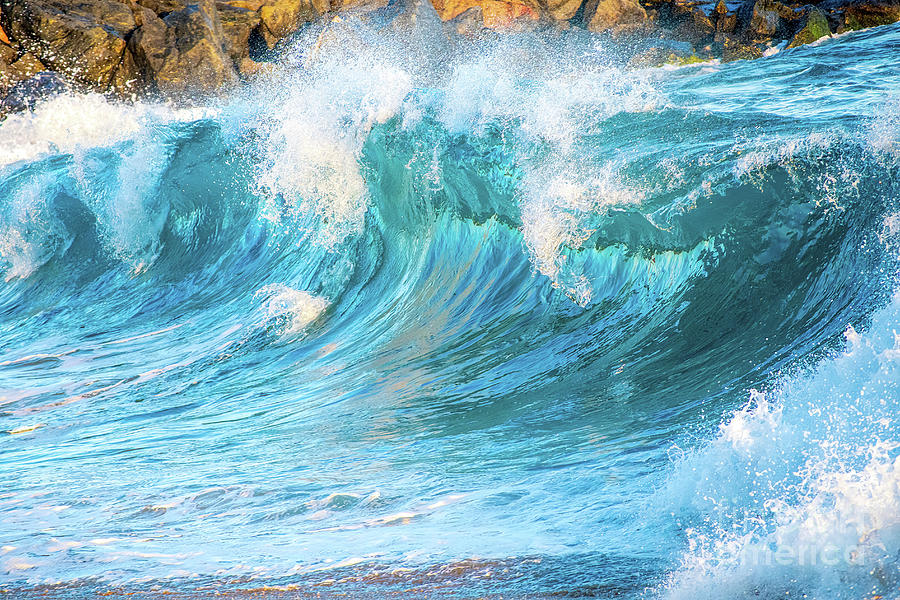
(405, 312)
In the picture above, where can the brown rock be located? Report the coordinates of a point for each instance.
(602, 15)
(724, 21)
(253, 5)
(126, 79)
(282, 17)
(505, 15)
(150, 48)
(249, 67)
(563, 10)
(495, 14)
(237, 25)
(762, 20)
(694, 26)
(184, 53)
(14, 68)
(870, 13)
(8, 55)
(734, 48)
(345, 4)
(163, 7)
(450, 9)
(202, 63)
(84, 39)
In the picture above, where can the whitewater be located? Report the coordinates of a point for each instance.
(415, 316)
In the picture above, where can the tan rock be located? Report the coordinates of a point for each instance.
(602, 15)
(253, 5)
(83, 39)
(8, 55)
(282, 17)
(504, 15)
(184, 53)
(563, 10)
(237, 25)
(17, 68)
(450, 9)
(495, 14)
(164, 7)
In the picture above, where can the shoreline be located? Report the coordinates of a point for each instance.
(531, 577)
(179, 49)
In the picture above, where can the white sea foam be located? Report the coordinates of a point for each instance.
(549, 101)
(562, 208)
(122, 198)
(130, 214)
(314, 132)
(542, 90)
(884, 129)
(30, 232)
(289, 310)
(68, 122)
(800, 491)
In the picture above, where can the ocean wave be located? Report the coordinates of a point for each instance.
(800, 490)
(400, 304)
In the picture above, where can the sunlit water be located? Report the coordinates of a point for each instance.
(494, 318)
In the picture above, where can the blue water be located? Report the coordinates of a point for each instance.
(420, 318)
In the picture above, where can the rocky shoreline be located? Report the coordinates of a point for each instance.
(178, 48)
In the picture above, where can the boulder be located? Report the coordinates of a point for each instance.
(450, 9)
(493, 14)
(84, 39)
(665, 54)
(237, 25)
(163, 7)
(603, 15)
(563, 10)
(253, 5)
(15, 68)
(8, 55)
(282, 17)
(861, 14)
(762, 20)
(692, 25)
(813, 27)
(734, 48)
(723, 21)
(346, 4)
(184, 53)
(29, 92)
(151, 49)
(506, 15)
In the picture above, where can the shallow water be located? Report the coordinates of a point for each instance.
(409, 317)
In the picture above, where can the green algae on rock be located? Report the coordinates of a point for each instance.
(815, 27)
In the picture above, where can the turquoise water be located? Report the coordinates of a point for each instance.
(408, 316)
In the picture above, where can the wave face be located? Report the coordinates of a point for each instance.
(497, 318)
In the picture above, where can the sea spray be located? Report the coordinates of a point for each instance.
(411, 314)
